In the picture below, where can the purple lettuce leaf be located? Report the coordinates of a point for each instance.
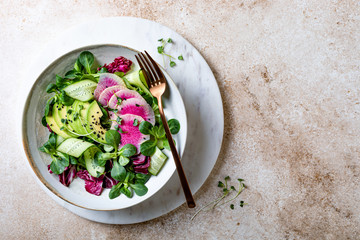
(143, 168)
(109, 181)
(67, 176)
(93, 185)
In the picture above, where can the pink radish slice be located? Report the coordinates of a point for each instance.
(139, 107)
(130, 134)
(124, 95)
(107, 80)
(106, 95)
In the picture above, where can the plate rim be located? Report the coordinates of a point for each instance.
(25, 143)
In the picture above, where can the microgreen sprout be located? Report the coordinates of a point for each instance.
(225, 192)
(161, 50)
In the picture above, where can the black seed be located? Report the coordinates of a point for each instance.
(92, 116)
(50, 125)
(98, 135)
(97, 112)
(102, 138)
(92, 94)
(137, 105)
(102, 132)
(59, 109)
(91, 129)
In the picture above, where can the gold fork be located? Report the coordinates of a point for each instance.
(157, 84)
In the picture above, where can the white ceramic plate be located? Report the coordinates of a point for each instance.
(35, 135)
(198, 88)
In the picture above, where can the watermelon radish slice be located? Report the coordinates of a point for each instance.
(129, 133)
(107, 80)
(106, 95)
(139, 107)
(123, 95)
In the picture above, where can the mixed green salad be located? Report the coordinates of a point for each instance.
(105, 127)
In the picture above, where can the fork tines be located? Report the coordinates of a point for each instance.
(153, 73)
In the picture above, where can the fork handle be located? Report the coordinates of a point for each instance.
(184, 183)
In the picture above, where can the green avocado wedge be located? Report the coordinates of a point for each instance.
(55, 118)
(93, 124)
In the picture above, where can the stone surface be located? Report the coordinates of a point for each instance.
(289, 77)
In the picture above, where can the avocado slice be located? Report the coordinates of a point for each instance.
(70, 110)
(57, 120)
(55, 128)
(81, 122)
(93, 124)
(77, 116)
(63, 114)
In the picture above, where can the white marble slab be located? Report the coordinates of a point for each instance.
(197, 86)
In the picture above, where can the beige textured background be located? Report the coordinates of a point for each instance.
(288, 73)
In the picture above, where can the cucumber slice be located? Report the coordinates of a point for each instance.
(158, 160)
(83, 90)
(59, 140)
(94, 169)
(74, 147)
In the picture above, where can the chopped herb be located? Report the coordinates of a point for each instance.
(169, 40)
(136, 122)
(232, 206)
(172, 64)
(113, 110)
(118, 120)
(181, 57)
(76, 115)
(69, 111)
(119, 100)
